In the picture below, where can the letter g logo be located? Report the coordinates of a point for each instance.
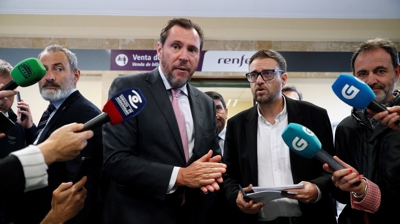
(299, 144)
(349, 92)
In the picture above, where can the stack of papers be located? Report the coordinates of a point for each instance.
(264, 194)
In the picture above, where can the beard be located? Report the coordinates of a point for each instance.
(173, 81)
(384, 94)
(60, 93)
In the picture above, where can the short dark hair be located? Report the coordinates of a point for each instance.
(216, 96)
(184, 23)
(294, 89)
(270, 54)
(374, 44)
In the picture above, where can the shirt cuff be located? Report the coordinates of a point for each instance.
(174, 176)
(35, 169)
(371, 201)
(319, 194)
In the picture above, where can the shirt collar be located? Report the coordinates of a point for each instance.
(168, 86)
(222, 133)
(281, 116)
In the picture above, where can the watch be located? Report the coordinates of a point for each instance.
(363, 194)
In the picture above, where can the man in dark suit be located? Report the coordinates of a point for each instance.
(58, 87)
(152, 179)
(256, 155)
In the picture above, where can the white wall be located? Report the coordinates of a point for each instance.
(319, 92)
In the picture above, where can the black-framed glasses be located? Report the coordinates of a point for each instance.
(266, 75)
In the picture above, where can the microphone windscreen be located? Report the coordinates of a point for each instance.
(124, 105)
(28, 72)
(301, 140)
(353, 91)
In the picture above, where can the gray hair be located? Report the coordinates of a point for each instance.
(73, 61)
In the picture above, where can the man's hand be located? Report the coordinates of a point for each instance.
(7, 93)
(65, 143)
(250, 207)
(24, 110)
(389, 117)
(308, 194)
(204, 173)
(67, 201)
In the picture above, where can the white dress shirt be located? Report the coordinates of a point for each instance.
(221, 142)
(183, 100)
(274, 168)
(35, 169)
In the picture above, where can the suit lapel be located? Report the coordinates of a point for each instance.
(161, 98)
(52, 125)
(251, 137)
(198, 116)
(294, 116)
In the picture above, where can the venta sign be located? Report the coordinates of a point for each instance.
(210, 61)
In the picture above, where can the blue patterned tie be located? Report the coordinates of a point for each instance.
(44, 119)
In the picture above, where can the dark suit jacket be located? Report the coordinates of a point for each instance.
(36, 204)
(11, 176)
(240, 156)
(141, 153)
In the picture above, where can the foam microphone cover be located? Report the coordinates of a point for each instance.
(123, 106)
(353, 91)
(301, 140)
(305, 143)
(26, 73)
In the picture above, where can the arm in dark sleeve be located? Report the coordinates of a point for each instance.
(11, 176)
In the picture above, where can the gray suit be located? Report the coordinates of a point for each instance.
(140, 155)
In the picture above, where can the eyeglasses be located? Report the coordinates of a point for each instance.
(266, 75)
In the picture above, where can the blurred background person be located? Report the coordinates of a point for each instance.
(222, 116)
(292, 92)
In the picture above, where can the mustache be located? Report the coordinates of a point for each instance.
(50, 83)
(376, 86)
(182, 64)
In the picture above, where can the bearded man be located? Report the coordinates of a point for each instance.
(66, 105)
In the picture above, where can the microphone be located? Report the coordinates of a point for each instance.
(119, 108)
(356, 93)
(305, 143)
(26, 73)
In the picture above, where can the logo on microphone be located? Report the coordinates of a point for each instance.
(349, 92)
(25, 70)
(133, 100)
(121, 60)
(299, 144)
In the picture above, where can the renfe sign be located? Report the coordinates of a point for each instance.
(210, 61)
(235, 61)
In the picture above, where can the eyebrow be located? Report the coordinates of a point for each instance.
(57, 64)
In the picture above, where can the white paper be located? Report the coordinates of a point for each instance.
(277, 188)
(264, 194)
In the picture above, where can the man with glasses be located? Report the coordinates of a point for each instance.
(256, 154)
